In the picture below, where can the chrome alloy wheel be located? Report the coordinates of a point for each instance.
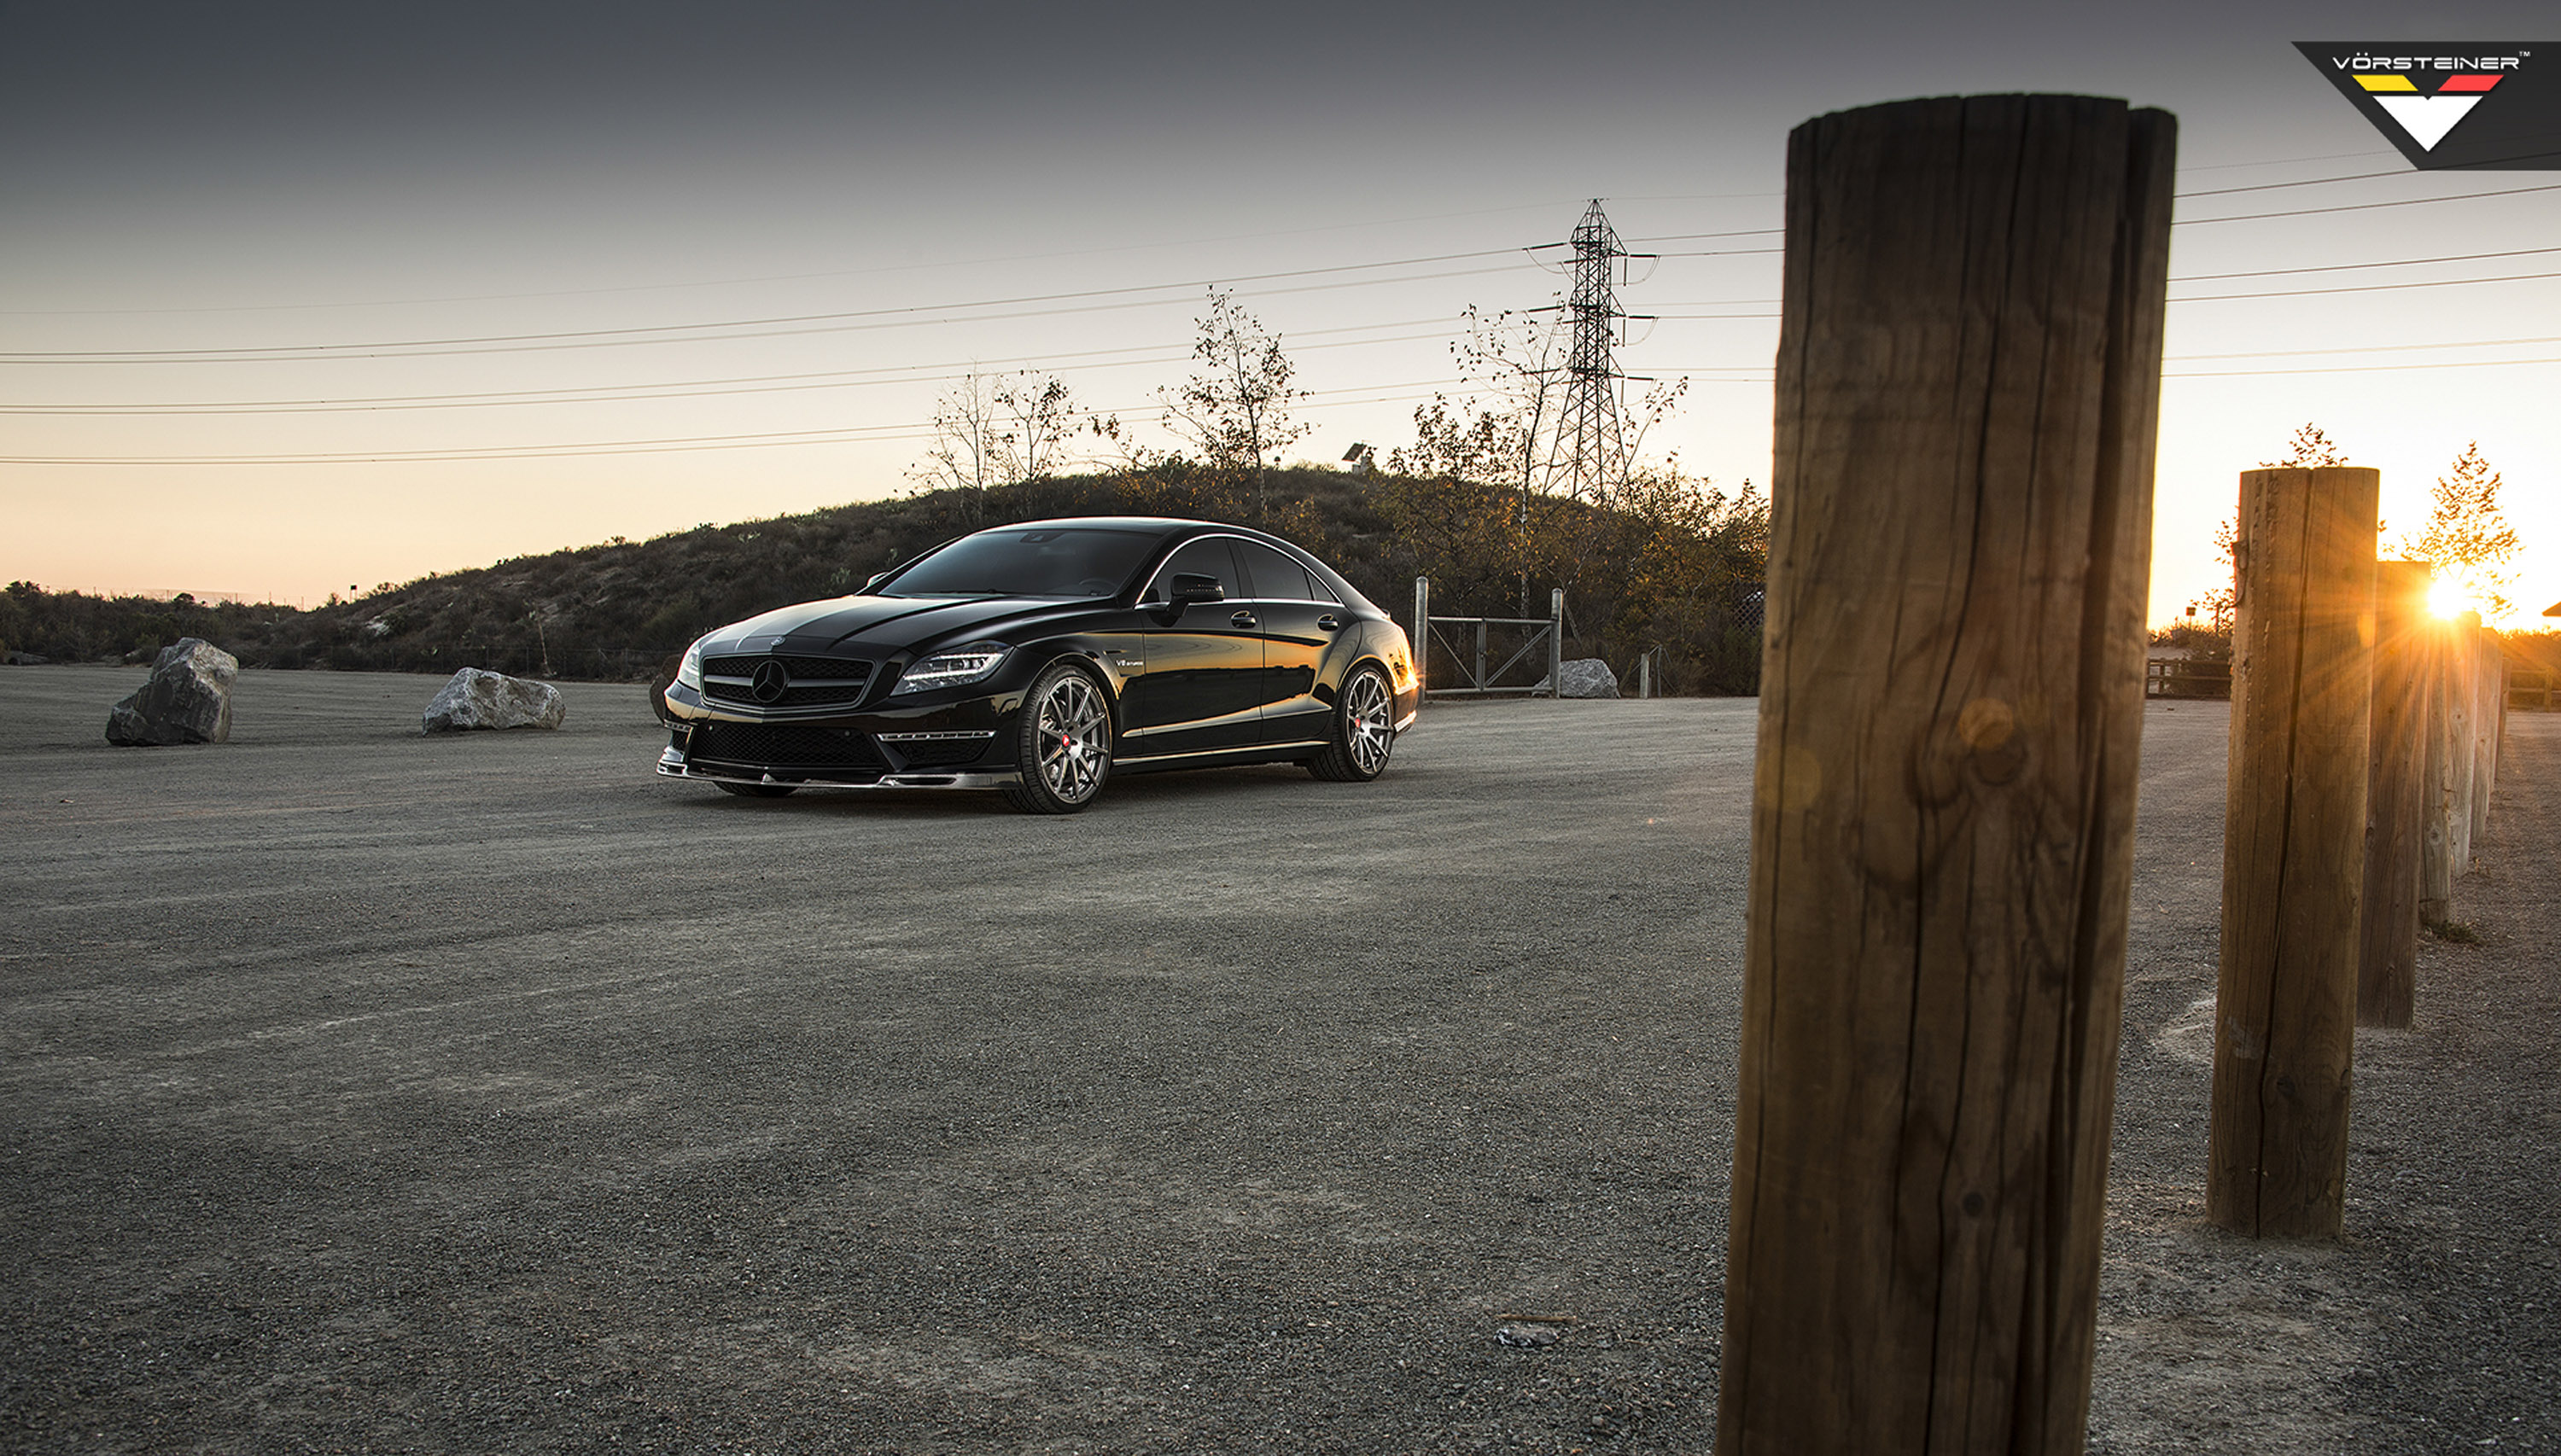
(1369, 727)
(1074, 738)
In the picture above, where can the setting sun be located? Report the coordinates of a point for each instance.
(2448, 598)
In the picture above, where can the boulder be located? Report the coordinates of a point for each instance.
(1586, 677)
(187, 701)
(477, 698)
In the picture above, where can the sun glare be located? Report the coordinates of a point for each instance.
(2447, 598)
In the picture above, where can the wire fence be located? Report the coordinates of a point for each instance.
(578, 664)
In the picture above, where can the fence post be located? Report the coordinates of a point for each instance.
(1421, 634)
(2490, 693)
(2439, 785)
(2463, 695)
(1556, 642)
(2294, 852)
(2387, 956)
(1645, 675)
(1944, 782)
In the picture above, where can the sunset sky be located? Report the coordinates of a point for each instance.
(298, 297)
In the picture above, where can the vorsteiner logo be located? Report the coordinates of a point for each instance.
(2418, 94)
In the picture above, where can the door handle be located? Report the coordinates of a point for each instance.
(1330, 622)
(1242, 619)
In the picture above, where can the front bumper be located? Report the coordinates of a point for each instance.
(672, 763)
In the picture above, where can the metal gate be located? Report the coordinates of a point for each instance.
(1451, 654)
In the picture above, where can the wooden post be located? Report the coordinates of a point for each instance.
(2463, 695)
(2489, 690)
(1422, 636)
(2294, 852)
(1556, 642)
(2387, 957)
(2439, 784)
(1944, 790)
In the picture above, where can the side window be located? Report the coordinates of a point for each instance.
(1209, 558)
(1275, 578)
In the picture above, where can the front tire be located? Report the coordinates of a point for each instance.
(1364, 731)
(1064, 743)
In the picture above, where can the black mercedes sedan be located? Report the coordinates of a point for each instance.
(1041, 657)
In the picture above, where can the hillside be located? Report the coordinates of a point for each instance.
(617, 610)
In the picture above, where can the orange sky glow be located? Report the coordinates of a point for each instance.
(291, 313)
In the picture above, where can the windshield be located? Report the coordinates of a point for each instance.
(1056, 562)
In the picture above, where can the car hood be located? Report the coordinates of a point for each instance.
(883, 625)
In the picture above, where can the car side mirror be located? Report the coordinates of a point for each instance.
(877, 578)
(1189, 588)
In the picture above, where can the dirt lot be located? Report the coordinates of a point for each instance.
(371, 1092)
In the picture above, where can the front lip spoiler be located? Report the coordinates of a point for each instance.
(672, 764)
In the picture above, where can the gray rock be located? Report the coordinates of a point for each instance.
(1588, 676)
(477, 698)
(187, 701)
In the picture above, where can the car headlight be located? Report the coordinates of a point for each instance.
(958, 668)
(690, 671)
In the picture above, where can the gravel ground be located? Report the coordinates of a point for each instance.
(367, 1092)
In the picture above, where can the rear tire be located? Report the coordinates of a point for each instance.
(756, 790)
(1064, 742)
(1364, 731)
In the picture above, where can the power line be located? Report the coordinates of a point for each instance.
(843, 435)
(779, 277)
(693, 389)
(2298, 182)
(2370, 349)
(908, 316)
(2364, 207)
(2205, 374)
(2398, 262)
(749, 328)
(2405, 202)
(910, 430)
(940, 373)
(2364, 288)
(758, 278)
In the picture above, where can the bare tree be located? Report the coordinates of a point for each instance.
(1509, 365)
(1040, 417)
(2310, 445)
(1236, 410)
(997, 429)
(2467, 540)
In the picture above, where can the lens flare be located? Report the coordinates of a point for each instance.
(2447, 598)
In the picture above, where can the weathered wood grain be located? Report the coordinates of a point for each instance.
(2440, 785)
(2463, 697)
(2490, 702)
(2387, 957)
(2294, 852)
(1969, 377)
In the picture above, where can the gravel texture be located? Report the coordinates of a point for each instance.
(371, 1092)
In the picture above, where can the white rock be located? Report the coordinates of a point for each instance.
(1588, 676)
(476, 698)
(187, 701)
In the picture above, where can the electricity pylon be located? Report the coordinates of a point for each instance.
(1588, 456)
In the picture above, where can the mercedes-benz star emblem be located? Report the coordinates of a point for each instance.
(768, 682)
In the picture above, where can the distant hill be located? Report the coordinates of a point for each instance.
(618, 610)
